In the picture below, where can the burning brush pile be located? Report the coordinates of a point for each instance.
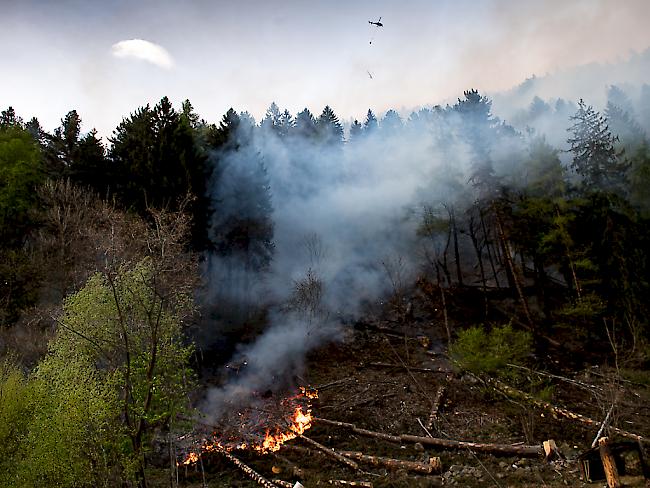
(263, 426)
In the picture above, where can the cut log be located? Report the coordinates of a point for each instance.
(248, 471)
(331, 453)
(609, 463)
(435, 408)
(363, 484)
(498, 449)
(283, 484)
(432, 467)
(410, 368)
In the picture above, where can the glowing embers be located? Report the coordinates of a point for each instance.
(263, 427)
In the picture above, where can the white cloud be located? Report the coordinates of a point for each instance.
(145, 50)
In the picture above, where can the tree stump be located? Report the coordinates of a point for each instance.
(609, 464)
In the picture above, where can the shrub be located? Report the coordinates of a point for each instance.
(478, 351)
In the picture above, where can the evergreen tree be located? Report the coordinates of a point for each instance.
(8, 118)
(624, 127)
(370, 125)
(271, 120)
(391, 124)
(241, 225)
(20, 172)
(189, 115)
(285, 124)
(594, 157)
(35, 129)
(157, 162)
(619, 98)
(330, 130)
(356, 130)
(538, 108)
(478, 130)
(305, 125)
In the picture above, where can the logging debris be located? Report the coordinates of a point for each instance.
(497, 449)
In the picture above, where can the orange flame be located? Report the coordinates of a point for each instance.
(273, 439)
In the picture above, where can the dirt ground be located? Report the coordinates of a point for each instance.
(397, 400)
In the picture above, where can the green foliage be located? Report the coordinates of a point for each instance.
(156, 162)
(55, 426)
(156, 158)
(72, 426)
(595, 158)
(482, 352)
(130, 332)
(16, 401)
(20, 172)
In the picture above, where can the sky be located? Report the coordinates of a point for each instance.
(107, 58)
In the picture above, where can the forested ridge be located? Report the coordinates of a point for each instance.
(133, 269)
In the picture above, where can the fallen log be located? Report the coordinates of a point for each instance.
(283, 484)
(433, 416)
(498, 449)
(432, 467)
(363, 484)
(410, 368)
(331, 453)
(248, 471)
(563, 412)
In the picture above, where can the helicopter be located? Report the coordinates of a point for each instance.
(378, 23)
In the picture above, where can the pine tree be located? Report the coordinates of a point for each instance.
(626, 129)
(271, 119)
(241, 225)
(479, 129)
(594, 157)
(156, 157)
(8, 118)
(356, 130)
(285, 124)
(329, 128)
(371, 124)
(305, 125)
(391, 124)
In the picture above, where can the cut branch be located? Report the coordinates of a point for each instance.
(498, 449)
(433, 416)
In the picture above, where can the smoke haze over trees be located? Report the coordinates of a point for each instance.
(286, 231)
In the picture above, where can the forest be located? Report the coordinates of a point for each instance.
(159, 285)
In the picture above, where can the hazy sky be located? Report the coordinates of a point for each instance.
(62, 55)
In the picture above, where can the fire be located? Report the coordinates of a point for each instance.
(297, 424)
(273, 440)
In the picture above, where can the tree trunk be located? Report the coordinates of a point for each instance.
(459, 272)
(487, 244)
